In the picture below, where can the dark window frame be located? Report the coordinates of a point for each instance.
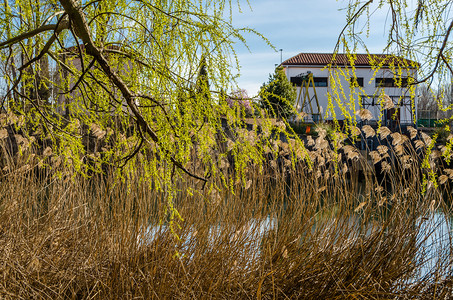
(356, 81)
(390, 82)
(319, 81)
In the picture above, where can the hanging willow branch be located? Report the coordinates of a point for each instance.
(83, 32)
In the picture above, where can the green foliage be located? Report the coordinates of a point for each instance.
(144, 80)
(278, 95)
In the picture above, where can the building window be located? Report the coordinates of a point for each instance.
(356, 81)
(319, 81)
(391, 82)
(297, 81)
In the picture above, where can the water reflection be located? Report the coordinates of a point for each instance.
(424, 242)
(435, 244)
(433, 239)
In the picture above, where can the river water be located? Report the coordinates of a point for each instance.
(433, 240)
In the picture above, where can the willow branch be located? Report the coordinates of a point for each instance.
(82, 31)
(55, 27)
(130, 56)
(351, 21)
(439, 56)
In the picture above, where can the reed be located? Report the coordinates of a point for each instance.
(323, 229)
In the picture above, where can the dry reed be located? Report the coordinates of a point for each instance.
(314, 231)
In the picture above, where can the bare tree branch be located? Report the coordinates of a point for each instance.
(55, 27)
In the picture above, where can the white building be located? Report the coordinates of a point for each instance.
(361, 83)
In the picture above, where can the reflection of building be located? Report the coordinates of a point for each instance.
(367, 86)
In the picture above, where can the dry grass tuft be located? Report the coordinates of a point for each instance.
(365, 114)
(369, 131)
(412, 132)
(384, 132)
(426, 138)
(388, 102)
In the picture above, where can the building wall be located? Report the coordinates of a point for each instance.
(352, 95)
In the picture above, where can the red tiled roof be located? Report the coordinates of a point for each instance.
(323, 59)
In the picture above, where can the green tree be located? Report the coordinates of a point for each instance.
(278, 95)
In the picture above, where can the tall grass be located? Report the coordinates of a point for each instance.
(322, 230)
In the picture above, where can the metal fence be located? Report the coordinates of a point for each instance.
(432, 118)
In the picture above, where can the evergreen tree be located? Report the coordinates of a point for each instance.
(202, 83)
(278, 96)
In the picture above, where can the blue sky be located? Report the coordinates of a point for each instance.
(294, 26)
